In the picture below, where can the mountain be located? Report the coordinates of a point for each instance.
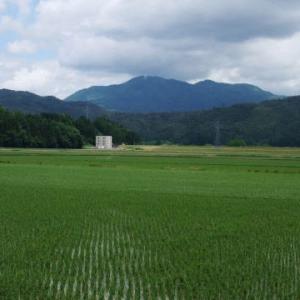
(156, 94)
(275, 123)
(31, 103)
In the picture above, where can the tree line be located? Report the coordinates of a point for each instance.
(57, 130)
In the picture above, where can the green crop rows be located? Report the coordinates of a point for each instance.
(150, 223)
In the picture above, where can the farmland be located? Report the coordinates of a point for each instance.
(150, 223)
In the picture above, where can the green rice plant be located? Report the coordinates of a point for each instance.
(176, 223)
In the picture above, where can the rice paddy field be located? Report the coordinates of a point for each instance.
(150, 223)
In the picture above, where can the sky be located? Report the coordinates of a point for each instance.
(56, 47)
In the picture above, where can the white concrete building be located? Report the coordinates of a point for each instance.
(104, 142)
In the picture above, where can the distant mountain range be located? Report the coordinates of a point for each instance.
(155, 94)
(31, 103)
(274, 122)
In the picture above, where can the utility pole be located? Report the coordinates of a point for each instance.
(218, 134)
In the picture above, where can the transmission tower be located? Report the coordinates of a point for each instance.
(87, 111)
(218, 134)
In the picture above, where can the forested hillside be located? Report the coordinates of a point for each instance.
(57, 131)
(146, 94)
(275, 123)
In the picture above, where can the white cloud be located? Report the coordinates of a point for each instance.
(24, 6)
(218, 18)
(43, 78)
(21, 47)
(2, 6)
(94, 41)
(8, 23)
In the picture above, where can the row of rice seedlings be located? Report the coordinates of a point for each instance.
(115, 261)
(107, 262)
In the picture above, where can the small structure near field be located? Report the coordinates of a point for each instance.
(104, 142)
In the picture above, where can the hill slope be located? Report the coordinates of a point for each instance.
(155, 94)
(31, 103)
(275, 123)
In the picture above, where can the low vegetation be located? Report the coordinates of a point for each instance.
(150, 223)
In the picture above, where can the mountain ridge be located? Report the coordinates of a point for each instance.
(274, 122)
(28, 102)
(156, 94)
